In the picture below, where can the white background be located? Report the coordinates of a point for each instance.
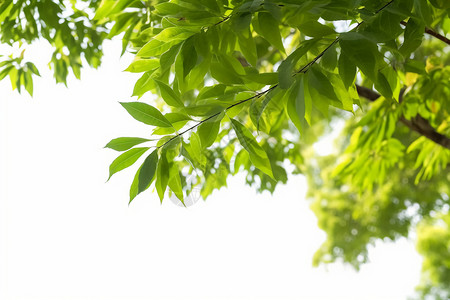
(66, 234)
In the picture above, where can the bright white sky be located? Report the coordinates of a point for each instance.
(66, 234)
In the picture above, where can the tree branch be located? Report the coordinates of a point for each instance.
(417, 123)
(304, 69)
(433, 33)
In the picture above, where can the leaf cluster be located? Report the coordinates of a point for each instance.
(67, 26)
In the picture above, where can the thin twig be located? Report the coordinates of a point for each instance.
(383, 7)
(190, 128)
(304, 69)
(223, 20)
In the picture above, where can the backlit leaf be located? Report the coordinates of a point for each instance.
(175, 182)
(162, 175)
(347, 69)
(257, 154)
(286, 68)
(208, 131)
(268, 26)
(296, 105)
(125, 143)
(146, 113)
(125, 160)
(168, 95)
(413, 36)
(143, 65)
(362, 52)
(147, 172)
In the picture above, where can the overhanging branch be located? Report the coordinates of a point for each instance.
(417, 123)
(304, 69)
(433, 33)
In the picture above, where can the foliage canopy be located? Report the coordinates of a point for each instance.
(251, 86)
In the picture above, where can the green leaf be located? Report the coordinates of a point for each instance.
(146, 114)
(168, 58)
(347, 69)
(259, 109)
(268, 26)
(208, 131)
(273, 116)
(196, 147)
(125, 160)
(214, 91)
(176, 34)
(241, 21)
(228, 41)
(198, 74)
(264, 78)
(148, 171)
(144, 84)
(168, 9)
(105, 7)
(134, 186)
(202, 44)
(127, 35)
(242, 159)
(13, 77)
(362, 52)
(28, 82)
(285, 73)
(122, 23)
(125, 143)
(174, 117)
(322, 84)
(286, 68)
(383, 27)
(315, 29)
(413, 36)
(168, 95)
(6, 71)
(257, 154)
(212, 5)
(155, 48)
(330, 86)
(167, 38)
(142, 65)
(424, 11)
(196, 143)
(5, 9)
(344, 96)
(387, 83)
(442, 4)
(224, 73)
(33, 68)
(248, 47)
(189, 56)
(415, 66)
(296, 105)
(273, 9)
(175, 182)
(205, 110)
(329, 59)
(162, 175)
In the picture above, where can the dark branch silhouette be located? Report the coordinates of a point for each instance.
(433, 33)
(417, 123)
